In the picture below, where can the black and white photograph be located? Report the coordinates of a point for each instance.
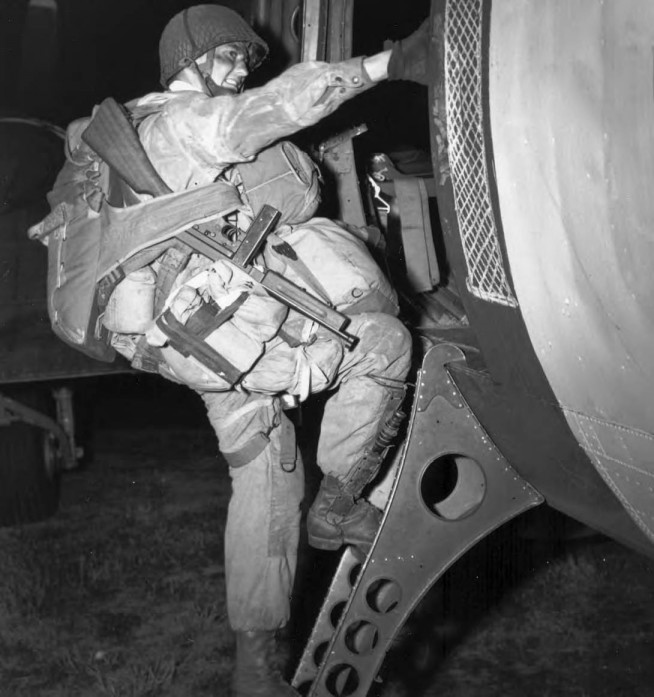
(326, 348)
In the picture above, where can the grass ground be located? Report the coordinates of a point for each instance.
(121, 595)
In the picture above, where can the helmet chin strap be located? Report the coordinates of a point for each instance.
(205, 70)
(213, 89)
(201, 76)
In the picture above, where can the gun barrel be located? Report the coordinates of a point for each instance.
(298, 299)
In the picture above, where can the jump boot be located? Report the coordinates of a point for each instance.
(255, 674)
(337, 518)
(339, 515)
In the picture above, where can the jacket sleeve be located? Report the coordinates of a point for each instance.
(228, 129)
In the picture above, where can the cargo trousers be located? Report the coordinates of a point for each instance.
(263, 518)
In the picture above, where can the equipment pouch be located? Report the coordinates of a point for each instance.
(326, 255)
(218, 308)
(72, 233)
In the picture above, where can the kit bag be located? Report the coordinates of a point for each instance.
(284, 177)
(325, 257)
(221, 307)
(331, 260)
(72, 232)
(98, 232)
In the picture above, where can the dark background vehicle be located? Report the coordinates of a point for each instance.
(37, 422)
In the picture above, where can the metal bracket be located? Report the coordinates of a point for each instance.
(12, 411)
(438, 383)
(368, 602)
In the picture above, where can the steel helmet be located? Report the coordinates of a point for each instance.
(196, 30)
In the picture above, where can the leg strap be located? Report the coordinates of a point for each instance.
(256, 445)
(251, 450)
(288, 455)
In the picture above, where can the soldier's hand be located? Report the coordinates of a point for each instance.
(410, 59)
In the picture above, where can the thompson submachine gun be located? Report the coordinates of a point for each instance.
(113, 137)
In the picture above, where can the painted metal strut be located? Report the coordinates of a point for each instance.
(423, 532)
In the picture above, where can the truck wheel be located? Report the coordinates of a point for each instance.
(28, 474)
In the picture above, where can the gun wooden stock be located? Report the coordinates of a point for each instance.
(114, 138)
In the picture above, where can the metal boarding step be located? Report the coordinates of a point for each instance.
(426, 527)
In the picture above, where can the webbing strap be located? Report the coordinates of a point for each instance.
(291, 340)
(146, 357)
(252, 449)
(171, 263)
(128, 233)
(250, 406)
(256, 445)
(210, 316)
(189, 345)
(288, 454)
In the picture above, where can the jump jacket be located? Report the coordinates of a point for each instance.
(192, 138)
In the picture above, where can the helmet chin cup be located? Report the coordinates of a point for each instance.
(216, 90)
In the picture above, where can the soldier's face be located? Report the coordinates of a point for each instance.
(230, 66)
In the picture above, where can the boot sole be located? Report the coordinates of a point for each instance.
(331, 546)
(325, 543)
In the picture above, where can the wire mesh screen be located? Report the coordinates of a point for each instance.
(467, 153)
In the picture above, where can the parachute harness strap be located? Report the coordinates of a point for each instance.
(256, 445)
